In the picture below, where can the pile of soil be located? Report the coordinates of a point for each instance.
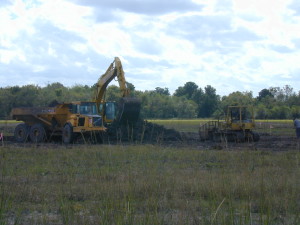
(141, 132)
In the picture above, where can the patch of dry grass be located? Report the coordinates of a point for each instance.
(147, 185)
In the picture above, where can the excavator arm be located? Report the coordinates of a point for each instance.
(128, 108)
(114, 70)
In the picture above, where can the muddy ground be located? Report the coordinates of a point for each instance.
(266, 143)
(150, 133)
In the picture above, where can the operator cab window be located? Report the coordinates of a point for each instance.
(88, 108)
(110, 111)
(235, 115)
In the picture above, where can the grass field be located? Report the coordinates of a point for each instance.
(274, 127)
(147, 184)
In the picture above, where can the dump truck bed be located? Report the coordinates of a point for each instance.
(32, 115)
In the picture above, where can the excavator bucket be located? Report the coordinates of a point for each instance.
(129, 110)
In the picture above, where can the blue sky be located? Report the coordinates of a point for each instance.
(232, 45)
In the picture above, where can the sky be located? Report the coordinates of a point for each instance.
(232, 45)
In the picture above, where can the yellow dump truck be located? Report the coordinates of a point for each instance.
(69, 120)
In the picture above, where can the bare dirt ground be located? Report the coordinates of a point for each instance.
(191, 140)
(150, 133)
(266, 143)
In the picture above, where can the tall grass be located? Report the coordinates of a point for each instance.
(147, 185)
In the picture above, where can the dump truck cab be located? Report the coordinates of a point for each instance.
(81, 115)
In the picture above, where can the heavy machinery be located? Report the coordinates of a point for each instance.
(127, 110)
(238, 126)
(70, 120)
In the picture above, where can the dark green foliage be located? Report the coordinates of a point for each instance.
(162, 91)
(277, 103)
(188, 101)
(187, 90)
(33, 95)
(264, 93)
(209, 102)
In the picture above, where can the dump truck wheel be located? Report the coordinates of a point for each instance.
(255, 136)
(21, 132)
(67, 134)
(37, 133)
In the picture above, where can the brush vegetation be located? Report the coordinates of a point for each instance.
(187, 101)
(147, 185)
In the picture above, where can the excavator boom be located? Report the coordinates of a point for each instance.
(128, 108)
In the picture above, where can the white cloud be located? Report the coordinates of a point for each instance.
(6, 56)
(233, 45)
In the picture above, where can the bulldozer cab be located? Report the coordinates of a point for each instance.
(240, 118)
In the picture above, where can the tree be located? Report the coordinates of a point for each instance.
(261, 111)
(188, 100)
(282, 94)
(155, 105)
(131, 87)
(210, 102)
(53, 92)
(279, 112)
(188, 90)
(264, 93)
(237, 98)
(295, 111)
(185, 108)
(113, 93)
(293, 100)
(27, 96)
(162, 91)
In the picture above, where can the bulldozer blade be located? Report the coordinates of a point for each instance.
(129, 110)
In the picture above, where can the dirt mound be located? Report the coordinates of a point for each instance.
(144, 132)
(141, 132)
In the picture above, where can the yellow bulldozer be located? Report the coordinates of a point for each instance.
(74, 119)
(238, 126)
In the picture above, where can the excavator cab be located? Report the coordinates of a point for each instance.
(108, 111)
(126, 111)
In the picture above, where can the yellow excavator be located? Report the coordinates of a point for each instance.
(75, 119)
(127, 110)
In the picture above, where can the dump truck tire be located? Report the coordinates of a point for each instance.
(37, 133)
(21, 132)
(255, 136)
(68, 135)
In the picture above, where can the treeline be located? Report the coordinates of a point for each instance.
(188, 101)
